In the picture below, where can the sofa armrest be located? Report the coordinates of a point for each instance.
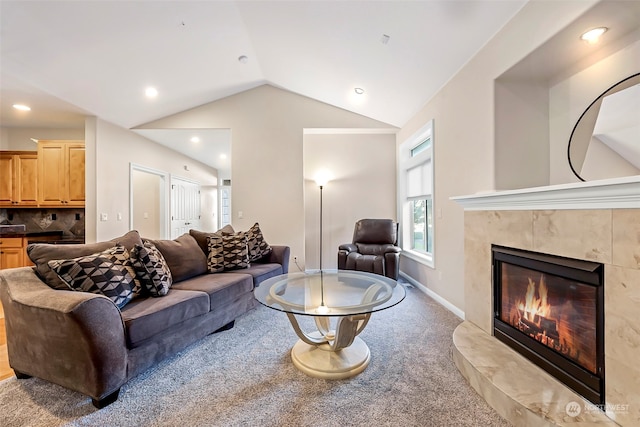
(280, 255)
(74, 339)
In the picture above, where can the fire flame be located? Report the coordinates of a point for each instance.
(532, 305)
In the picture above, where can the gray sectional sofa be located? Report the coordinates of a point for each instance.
(85, 342)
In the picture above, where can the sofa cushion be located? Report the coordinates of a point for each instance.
(184, 257)
(103, 273)
(152, 269)
(41, 253)
(146, 317)
(201, 236)
(261, 272)
(258, 247)
(222, 288)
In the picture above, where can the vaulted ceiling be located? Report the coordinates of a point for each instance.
(69, 59)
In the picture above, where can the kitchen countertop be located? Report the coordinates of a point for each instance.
(63, 241)
(30, 233)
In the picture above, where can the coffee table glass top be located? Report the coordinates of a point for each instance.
(341, 293)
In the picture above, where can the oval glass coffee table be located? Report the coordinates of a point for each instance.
(340, 304)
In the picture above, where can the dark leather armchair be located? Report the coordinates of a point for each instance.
(373, 249)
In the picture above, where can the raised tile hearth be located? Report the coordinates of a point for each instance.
(598, 222)
(518, 390)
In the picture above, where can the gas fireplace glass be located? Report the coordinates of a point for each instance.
(551, 310)
(559, 313)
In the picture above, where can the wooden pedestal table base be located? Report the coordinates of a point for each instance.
(331, 354)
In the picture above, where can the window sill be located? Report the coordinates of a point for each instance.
(421, 258)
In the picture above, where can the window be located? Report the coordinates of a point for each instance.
(421, 225)
(421, 147)
(416, 195)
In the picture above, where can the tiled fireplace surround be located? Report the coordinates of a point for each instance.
(583, 228)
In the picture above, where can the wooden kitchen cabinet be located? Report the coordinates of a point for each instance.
(18, 178)
(11, 252)
(61, 173)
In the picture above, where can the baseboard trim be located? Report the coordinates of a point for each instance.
(443, 302)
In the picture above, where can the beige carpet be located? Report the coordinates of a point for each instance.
(244, 377)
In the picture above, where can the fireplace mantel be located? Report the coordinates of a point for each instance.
(617, 193)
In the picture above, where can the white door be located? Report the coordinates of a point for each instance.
(185, 206)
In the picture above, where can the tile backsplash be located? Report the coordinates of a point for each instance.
(69, 221)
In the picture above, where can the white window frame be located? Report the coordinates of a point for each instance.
(405, 163)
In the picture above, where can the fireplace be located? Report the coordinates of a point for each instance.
(551, 310)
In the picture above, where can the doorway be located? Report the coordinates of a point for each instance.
(148, 202)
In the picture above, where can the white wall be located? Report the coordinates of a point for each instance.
(19, 139)
(362, 185)
(267, 126)
(464, 123)
(521, 157)
(110, 150)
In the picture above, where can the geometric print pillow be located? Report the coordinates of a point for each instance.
(229, 251)
(215, 249)
(120, 255)
(258, 247)
(99, 273)
(152, 269)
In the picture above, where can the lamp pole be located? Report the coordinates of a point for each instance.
(321, 180)
(321, 229)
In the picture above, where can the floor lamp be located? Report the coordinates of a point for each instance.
(321, 181)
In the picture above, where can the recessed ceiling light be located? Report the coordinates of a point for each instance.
(359, 90)
(243, 59)
(195, 139)
(21, 107)
(592, 36)
(223, 156)
(151, 92)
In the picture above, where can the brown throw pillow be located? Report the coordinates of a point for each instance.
(183, 256)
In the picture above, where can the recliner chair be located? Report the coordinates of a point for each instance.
(373, 249)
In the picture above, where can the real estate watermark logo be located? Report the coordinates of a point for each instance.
(573, 408)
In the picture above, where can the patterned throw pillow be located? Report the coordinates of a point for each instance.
(201, 236)
(258, 247)
(215, 258)
(102, 273)
(152, 269)
(120, 255)
(227, 252)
